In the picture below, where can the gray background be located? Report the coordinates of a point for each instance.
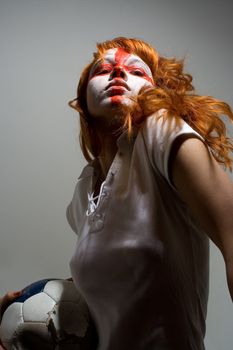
(44, 45)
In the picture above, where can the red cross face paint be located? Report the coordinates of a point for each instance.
(114, 80)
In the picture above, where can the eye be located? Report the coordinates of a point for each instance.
(137, 72)
(103, 71)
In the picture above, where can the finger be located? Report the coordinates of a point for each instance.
(7, 299)
(1, 346)
(9, 296)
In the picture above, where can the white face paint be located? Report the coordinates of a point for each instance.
(113, 80)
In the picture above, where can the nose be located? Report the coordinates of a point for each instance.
(118, 72)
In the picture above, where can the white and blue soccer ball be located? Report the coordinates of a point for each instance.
(49, 315)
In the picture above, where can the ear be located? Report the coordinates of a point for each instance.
(74, 103)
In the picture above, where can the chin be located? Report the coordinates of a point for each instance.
(116, 106)
(120, 100)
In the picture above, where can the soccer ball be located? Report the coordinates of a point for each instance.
(49, 315)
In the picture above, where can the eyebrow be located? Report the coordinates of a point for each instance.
(133, 60)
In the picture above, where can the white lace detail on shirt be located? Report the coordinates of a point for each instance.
(93, 201)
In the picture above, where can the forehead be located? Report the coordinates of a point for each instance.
(111, 54)
(120, 56)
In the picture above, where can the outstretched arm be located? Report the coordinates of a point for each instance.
(208, 191)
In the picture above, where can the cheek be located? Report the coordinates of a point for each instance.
(137, 83)
(96, 95)
(97, 85)
(93, 91)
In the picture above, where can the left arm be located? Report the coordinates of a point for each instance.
(208, 192)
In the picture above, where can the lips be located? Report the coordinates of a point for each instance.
(117, 85)
(115, 90)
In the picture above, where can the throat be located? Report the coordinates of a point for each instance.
(105, 164)
(109, 149)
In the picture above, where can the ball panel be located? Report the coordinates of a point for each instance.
(33, 336)
(36, 308)
(62, 289)
(12, 318)
(71, 321)
(32, 289)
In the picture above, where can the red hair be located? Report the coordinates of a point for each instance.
(173, 91)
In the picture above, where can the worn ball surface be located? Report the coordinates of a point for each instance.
(49, 315)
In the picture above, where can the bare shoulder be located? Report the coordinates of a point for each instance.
(207, 190)
(193, 161)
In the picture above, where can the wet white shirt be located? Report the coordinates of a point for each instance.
(141, 262)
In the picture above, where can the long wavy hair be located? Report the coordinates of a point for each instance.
(173, 91)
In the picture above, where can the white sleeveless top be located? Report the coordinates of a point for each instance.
(141, 261)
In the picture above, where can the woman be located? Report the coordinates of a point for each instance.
(149, 198)
(152, 193)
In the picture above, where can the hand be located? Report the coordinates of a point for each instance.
(4, 302)
(7, 299)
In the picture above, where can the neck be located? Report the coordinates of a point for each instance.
(109, 129)
(108, 132)
(109, 149)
